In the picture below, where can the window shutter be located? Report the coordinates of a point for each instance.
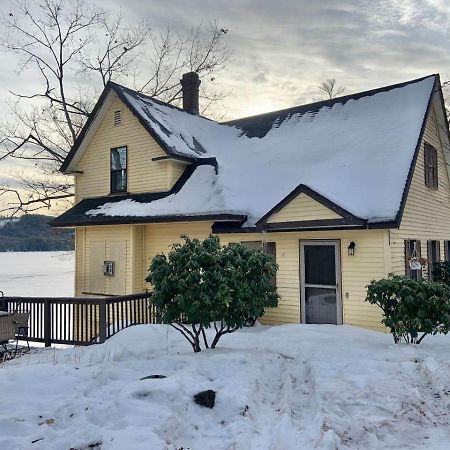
(435, 168)
(427, 164)
(271, 249)
(446, 250)
(434, 256)
(431, 166)
(407, 256)
(430, 260)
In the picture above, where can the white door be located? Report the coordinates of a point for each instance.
(320, 275)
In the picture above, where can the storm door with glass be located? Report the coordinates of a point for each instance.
(319, 281)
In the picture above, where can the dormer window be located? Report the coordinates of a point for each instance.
(118, 170)
(117, 118)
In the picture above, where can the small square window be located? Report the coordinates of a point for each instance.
(108, 268)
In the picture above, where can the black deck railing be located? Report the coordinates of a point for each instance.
(81, 320)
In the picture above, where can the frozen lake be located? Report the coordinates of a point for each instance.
(38, 274)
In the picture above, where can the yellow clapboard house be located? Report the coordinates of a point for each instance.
(341, 192)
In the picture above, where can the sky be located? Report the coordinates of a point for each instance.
(281, 50)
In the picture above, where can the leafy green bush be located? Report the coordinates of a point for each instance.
(441, 272)
(411, 308)
(200, 284)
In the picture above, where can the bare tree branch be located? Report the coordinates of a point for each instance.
(329, 89)
(56, 39)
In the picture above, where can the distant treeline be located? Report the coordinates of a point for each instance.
(33, 233)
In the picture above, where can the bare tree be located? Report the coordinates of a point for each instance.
(329, 89)
(74, 49)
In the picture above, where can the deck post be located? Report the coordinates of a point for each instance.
(47, 323)
(102, 320)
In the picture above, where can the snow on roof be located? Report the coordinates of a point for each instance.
(355, 151)
(201, 193)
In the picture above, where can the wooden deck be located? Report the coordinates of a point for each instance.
(81, 320)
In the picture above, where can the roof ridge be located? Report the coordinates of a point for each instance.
(114, 85)
(342, 99)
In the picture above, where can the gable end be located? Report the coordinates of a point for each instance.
(313, 209)
(438, 91)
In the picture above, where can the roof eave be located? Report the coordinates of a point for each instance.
(412, 167)
(112, 220)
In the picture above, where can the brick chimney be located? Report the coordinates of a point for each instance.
(190, 83)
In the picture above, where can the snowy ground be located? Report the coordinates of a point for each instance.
(278, 388)
(37, 273)
(286, 387)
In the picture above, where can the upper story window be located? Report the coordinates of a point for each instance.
(431, 166)
(117, 118)
(118, 170)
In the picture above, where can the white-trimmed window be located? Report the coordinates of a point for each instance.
(118, 170)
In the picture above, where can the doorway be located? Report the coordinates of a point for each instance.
(320, 275)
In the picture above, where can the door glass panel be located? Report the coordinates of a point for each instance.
(320, 264)
(320, 305)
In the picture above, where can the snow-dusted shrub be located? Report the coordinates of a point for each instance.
(411, 309)
(201, 285)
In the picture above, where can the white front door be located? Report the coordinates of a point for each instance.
(320, 274)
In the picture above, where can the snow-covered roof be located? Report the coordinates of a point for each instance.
(356, 151)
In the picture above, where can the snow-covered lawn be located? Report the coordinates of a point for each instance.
(286, 387)
(38, 274)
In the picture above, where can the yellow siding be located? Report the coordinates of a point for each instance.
(106, 243)
(137, 250)
(176, 170)
(367, 264)
(301, 208)
(427, 211)
(79, 260)
(144, 175)
(160, 237)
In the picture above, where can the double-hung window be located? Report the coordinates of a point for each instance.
(118, 170)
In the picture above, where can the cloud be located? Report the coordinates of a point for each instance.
(301, 43)
(260, 78)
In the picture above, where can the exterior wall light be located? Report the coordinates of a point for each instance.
(351, 248)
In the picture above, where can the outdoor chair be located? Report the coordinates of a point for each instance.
(13, 327)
